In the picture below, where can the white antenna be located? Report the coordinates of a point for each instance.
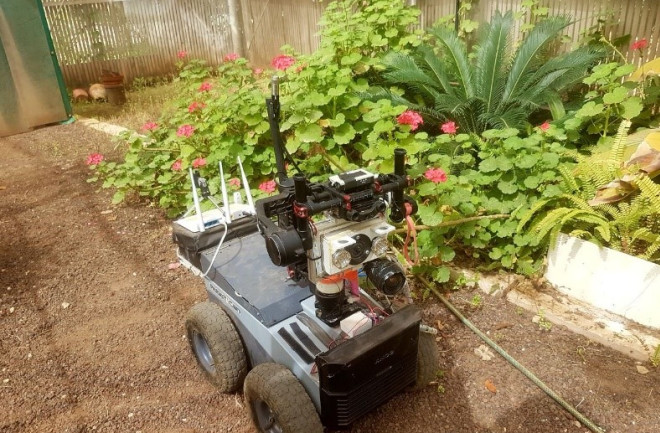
(247, 187)
(198, 208)
(225, 200)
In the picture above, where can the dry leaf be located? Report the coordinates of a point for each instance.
(490, 386)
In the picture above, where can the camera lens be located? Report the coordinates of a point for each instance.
(387, 276)
(360, 250)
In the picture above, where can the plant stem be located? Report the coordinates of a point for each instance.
(455, 222)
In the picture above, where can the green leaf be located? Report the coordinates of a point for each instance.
(351, 59)
(311, 133)
(447, 254)
(631, 108)
(615, 96)
(590, 109)
(532, 182)
(344, 134)
(441, 274)
(187, 150)
(488, 165)
(507, 187)
(550, 160)
(527, 161)
(430, 215)
(118, 197)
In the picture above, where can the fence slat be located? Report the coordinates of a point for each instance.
(141, 37)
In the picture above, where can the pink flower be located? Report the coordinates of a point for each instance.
(149, 126)
(230, 57)
(196, 106)
(268, 186)
(410, 117)
(436, 175)
(282, 62)
(94, 159)
(185, 130)
(258, 71)
(176, 166)
(640, 44)
(449, 128)
(205, 87)
(198, 162)
(182, 54)
(544, 126)
(235, 182)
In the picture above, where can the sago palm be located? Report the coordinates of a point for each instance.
(496, 86)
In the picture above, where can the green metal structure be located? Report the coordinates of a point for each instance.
(32, 90)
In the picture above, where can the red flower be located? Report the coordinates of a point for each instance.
(176, 166)
(205, 87)
(196, 106)
(235, 182)
(230, 57)
(185, 130)
(640, 44)
(182, 54)
(258, 71)
(436, 175)
(268, 186)
(449, 128)
(94, 159)
(198, 162)
(410, 117)
(149, 126)
(544, 126)
(282, 62)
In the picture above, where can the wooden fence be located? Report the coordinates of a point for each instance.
(141, 38)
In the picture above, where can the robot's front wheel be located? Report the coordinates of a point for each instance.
(217, 346)
(278, 402)
(427, 361)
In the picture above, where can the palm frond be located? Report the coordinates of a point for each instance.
(435, 68)
(456, 58)
(492, 57)
(529, 53)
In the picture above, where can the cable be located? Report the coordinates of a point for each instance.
(573, 411)
(222, 239)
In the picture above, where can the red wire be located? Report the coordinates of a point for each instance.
(410, 234)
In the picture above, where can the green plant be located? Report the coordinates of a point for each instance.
(494, 89)
(592, 206)
(477, 301)
(608, 102)
(491, 181)
(544, 324)
(220, 114)
(655, 357)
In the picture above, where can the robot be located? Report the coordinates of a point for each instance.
(287, 317)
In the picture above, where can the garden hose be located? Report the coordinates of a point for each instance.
(584, 420)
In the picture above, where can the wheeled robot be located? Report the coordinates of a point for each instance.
(289, 317)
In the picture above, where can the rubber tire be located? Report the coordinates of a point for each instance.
(427, 361)
(276, 387)
(229, 363)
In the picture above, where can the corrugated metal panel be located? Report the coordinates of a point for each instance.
(30, 92)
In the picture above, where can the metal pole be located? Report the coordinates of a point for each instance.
(236, 25)
(458, 17)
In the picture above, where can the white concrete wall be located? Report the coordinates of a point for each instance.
(608, 279)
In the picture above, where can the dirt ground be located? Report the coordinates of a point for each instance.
(92, 335)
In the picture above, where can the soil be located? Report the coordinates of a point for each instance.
(92, 335)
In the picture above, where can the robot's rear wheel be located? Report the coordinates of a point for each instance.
(217, 346)
(278, 402)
